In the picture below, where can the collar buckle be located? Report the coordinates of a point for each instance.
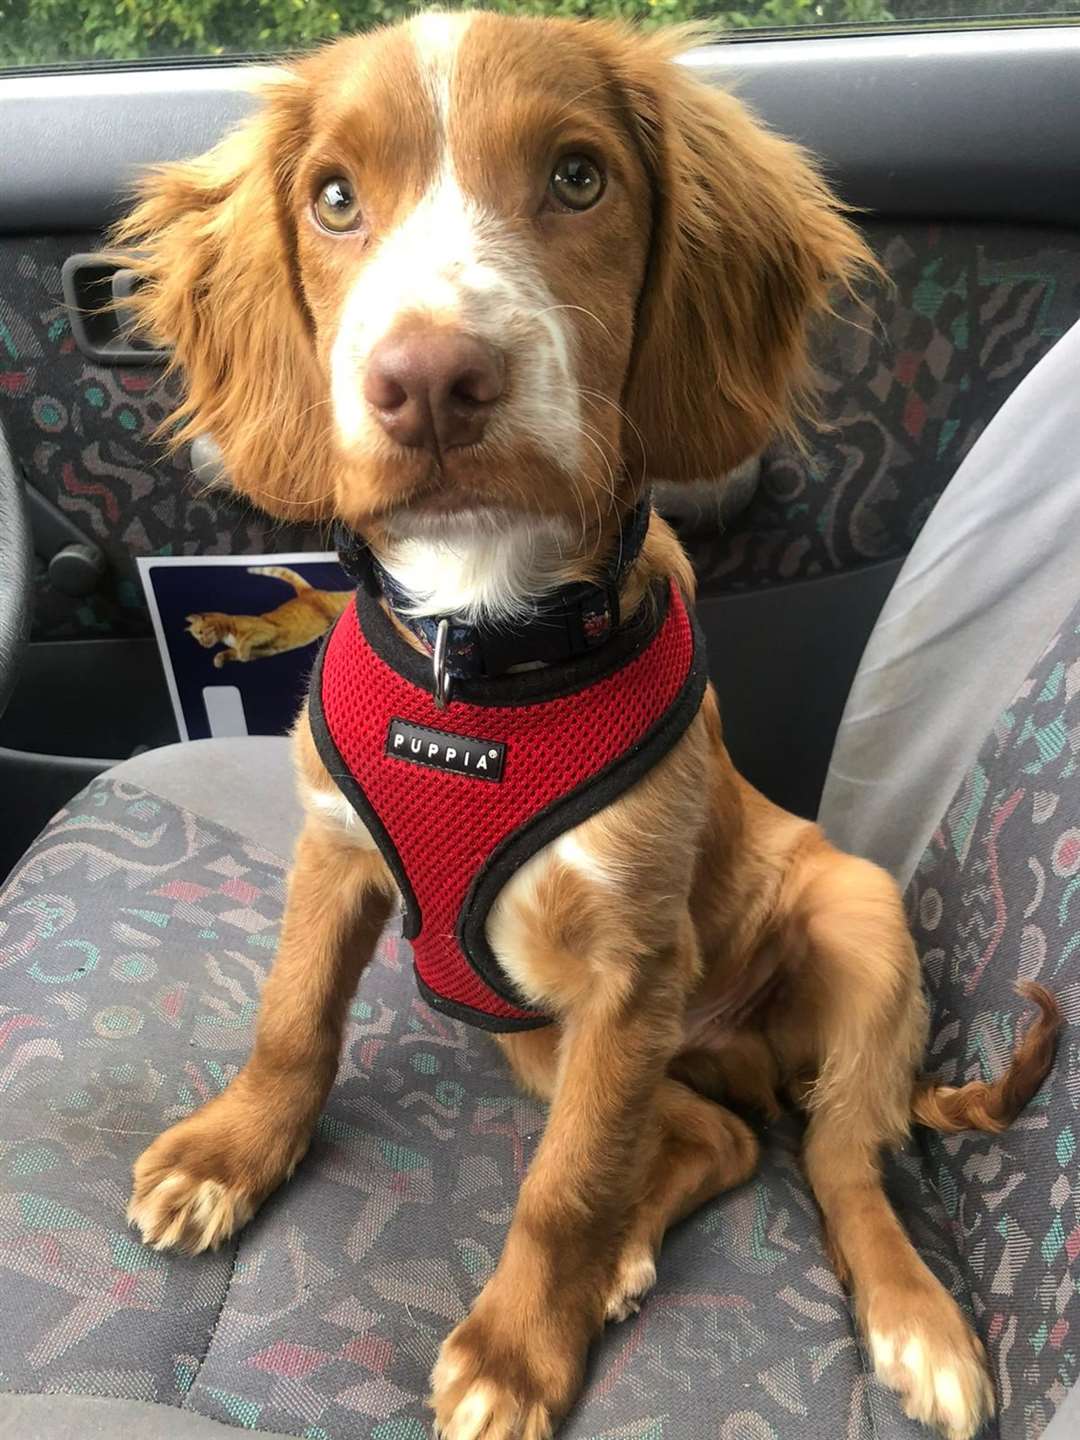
(439, 656)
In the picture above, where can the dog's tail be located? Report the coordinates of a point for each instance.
(995, 1105)
(281, 572)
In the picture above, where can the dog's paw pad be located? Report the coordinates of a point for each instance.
(940, 1382)
(179, 1212)
(472, 1402)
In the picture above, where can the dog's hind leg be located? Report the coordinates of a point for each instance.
(741, 1070)
(854, 1028)
(701, 1150)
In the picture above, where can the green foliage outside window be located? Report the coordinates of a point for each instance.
(51, 31)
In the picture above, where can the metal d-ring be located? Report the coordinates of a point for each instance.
(443, 681)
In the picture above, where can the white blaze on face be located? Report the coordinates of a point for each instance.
(457, 264)
(435, 39)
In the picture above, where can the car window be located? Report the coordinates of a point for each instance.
(78, 32)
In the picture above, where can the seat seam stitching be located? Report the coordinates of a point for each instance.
(213, 1328)
(868, 1377)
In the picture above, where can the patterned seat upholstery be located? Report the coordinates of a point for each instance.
(996, 898)
(908, 387)
(133, 939)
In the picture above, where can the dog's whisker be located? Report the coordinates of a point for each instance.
(627, 419)
(579, 309)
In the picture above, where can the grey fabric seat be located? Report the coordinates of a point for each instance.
(985, 584)
(134, 938)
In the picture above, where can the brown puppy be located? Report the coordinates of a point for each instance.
(629, 265)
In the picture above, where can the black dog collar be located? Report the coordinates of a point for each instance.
(567, 622)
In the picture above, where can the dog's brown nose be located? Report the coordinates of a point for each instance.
(434, 389)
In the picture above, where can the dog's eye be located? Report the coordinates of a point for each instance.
(336, 206)
(577, 182)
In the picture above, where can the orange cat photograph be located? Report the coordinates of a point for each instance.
(215, 614)
(298, 621)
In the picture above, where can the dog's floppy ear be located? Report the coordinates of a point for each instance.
(215, 249)
(747, 246)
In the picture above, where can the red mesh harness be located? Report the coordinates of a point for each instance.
(458, 799)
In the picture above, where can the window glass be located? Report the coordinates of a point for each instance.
(49, 32)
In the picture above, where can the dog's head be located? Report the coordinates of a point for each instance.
(488, 264)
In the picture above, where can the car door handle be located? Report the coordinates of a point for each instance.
(76, 564)
(97, 292)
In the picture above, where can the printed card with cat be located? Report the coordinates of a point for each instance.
(238, 635)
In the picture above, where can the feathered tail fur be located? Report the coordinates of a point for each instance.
(994, 1105)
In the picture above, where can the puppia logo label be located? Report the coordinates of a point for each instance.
(460, 754)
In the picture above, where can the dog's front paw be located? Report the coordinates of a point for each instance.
(201, 1181)
(483, 1409)
(178, 1211)
(487, 1385)
(935, 1364)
